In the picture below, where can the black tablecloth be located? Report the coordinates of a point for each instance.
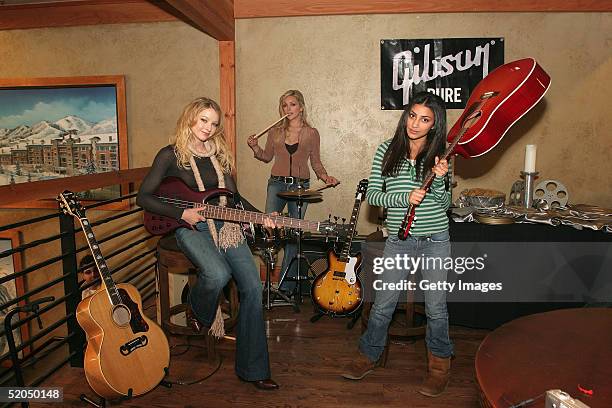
(492, 315)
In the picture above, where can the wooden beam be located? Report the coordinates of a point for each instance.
(77, 13)
(214, 18)
(285, 8)
(227, 62)
(37, 190)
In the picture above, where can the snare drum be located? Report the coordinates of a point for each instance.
(262, 237)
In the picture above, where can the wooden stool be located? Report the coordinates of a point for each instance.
(403, 324)
(170, 259)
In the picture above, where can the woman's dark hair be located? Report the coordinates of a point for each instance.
(399, 148)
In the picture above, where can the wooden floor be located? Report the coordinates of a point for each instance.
(306, 360)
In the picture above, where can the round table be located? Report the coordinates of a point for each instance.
(563, 349)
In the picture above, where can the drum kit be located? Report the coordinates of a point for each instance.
(267, 242)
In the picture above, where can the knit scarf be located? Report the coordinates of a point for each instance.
(230, 234)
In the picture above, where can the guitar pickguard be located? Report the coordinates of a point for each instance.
(351, 276)
(137, 323)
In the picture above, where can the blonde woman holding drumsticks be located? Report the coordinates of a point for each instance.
(291, 143)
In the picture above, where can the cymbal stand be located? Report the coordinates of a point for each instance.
(297, 257)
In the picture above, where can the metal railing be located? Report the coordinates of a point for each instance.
(43, 353)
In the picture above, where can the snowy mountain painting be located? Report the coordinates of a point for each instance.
(56, 132)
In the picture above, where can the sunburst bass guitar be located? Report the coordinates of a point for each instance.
(337, 291)
(127, 354)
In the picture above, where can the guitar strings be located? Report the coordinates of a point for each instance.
(190, 204)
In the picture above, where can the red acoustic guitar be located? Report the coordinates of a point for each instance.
(497, 103)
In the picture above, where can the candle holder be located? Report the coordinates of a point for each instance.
(529, 178)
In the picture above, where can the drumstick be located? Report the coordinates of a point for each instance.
(257, 136)
(324, 187)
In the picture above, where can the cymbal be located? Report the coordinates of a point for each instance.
(300, 193)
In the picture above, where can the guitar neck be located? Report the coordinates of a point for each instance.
(236, 215)
(346, 250)
(233, 214)
(105, 274)
(474, 114)
(429, 177)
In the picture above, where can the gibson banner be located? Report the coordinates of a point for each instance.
(448, 67)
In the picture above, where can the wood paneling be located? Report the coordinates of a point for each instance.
(280, 8)
(218, 20)
(227, 60)
(214, 18)
(76, 13)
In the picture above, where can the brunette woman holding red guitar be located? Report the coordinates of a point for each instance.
(200, 157)
(399, 166)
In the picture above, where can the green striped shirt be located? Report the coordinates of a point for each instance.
(430, 216)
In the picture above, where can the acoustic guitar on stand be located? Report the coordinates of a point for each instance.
(337, 291)
(127, 354)
(497, 102)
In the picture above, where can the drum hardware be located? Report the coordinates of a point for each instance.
(260, 237)
(300, 196)
(266, 243)
(300, 193)
(269, 257)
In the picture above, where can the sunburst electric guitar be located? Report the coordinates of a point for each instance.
(337, 291)
(127, 354)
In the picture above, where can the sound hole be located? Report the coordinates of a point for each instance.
(121, 315)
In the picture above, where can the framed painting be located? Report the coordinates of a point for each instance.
(60, 128)
(10, 290)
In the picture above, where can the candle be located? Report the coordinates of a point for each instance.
(530, 158)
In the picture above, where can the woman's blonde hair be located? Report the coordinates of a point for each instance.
(300, 98)
(183, 135)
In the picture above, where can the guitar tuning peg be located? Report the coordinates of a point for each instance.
(336, 219)
(343, 220)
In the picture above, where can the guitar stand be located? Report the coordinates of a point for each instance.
(86, 399)
(102, 402)
(354, 317)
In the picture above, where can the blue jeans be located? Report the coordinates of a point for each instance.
(372, 342)
(276, 203)
(215, 268)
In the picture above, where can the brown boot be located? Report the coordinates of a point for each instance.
(359, 368)
(438, 373)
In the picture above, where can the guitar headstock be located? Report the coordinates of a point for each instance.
(70, 205)
(361, 189)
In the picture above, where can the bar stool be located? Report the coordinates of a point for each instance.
(403, 325)
(171, 260)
